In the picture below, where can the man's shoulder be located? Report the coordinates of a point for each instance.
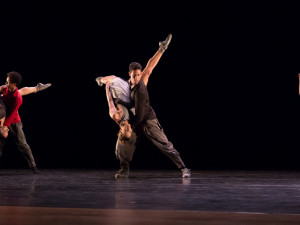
(138, 88)
(141, 84)
(17, 94)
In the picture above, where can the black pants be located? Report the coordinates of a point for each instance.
(154, 132)
(16, 130)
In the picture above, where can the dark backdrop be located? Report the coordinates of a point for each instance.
(225, 91)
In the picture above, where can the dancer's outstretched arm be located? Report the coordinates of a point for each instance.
(155, 59)
(29, 90)
(150, 66)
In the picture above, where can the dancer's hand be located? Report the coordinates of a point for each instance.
(2, 87)
(164, 44)
(4, 131)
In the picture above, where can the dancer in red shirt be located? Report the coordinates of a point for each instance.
(12, 99)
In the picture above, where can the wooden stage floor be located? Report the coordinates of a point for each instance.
(60, 196)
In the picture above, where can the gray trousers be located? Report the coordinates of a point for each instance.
(16, 130)
(154, 132)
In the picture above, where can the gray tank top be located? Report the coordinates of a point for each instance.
(120, 89)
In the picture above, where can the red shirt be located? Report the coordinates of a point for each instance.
(12, 101)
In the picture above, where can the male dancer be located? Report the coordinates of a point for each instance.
(145, 120)
(126, 143)
(117, 89)
(13, 100)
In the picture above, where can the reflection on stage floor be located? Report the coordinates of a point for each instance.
(252, 192)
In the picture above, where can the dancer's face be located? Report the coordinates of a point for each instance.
(135, 76)
(10, 85)
(126, 129)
